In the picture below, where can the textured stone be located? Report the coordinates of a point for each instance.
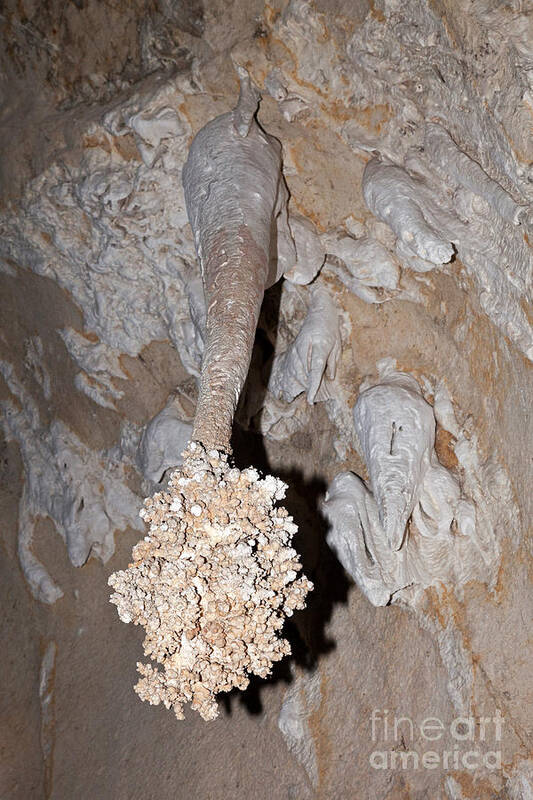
(102, 322)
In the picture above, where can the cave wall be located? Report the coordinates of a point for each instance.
(406, 135)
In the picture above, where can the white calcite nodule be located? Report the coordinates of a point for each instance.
(212, 582)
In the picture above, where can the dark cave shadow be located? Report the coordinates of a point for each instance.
(306, 630)
(254, 391)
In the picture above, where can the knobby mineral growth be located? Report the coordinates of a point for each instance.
(211, 583)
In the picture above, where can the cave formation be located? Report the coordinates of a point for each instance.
(298, 233)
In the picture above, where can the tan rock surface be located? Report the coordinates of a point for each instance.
(94, 239)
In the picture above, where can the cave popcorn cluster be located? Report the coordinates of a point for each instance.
(211, 583)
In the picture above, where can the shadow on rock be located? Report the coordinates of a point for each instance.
(307, 629)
